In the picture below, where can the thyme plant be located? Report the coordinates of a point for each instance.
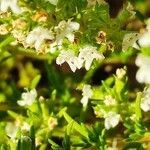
(74, 75)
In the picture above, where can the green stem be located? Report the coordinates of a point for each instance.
(7, 41)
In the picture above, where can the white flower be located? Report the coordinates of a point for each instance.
(109, 100)
(54, 46)
(145, 101)
(27, 98)
(143, 73)
(120, 72)
(25, 127)
(37, 37)
(111, 120)
(87, 55)
(86, 93)
(12, 4)
(54, 2)
(69, 57)
(130, 40)
(144, 40)
(11, 130)
(66, 29)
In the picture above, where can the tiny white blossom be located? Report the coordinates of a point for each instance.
(37, 37)
(86, 93)
(120, 72)
(27, 98)
(145, 101)
(111, 120)
(25, 127)
(143, 73)
(66, 29)
(12, 4)
(87, 55)
(69, 57)
(54, 46)
(144, 40)
(109, 100)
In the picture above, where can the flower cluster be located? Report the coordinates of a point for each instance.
(85, 57)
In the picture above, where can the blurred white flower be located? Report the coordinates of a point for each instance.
(120, 73)
(144, 38)
(87, 55)
(145, 101)
(66, 29)
(86, 93)
(25, 127)
(54, 2)
(111, 120)
(54, 46)
(11, 130)
(143, 73)
(27, 98)
(37, 37)
(69, 57)
(109, 100)
(9, 4)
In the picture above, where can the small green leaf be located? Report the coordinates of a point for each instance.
(137, 106)
(26, 143)
(35, 82)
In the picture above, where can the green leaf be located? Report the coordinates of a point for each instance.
(53, 144)
(76, 126)
(26, 143)
(32, 136)
(66, 142)
(137, 106)
(35, 82)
